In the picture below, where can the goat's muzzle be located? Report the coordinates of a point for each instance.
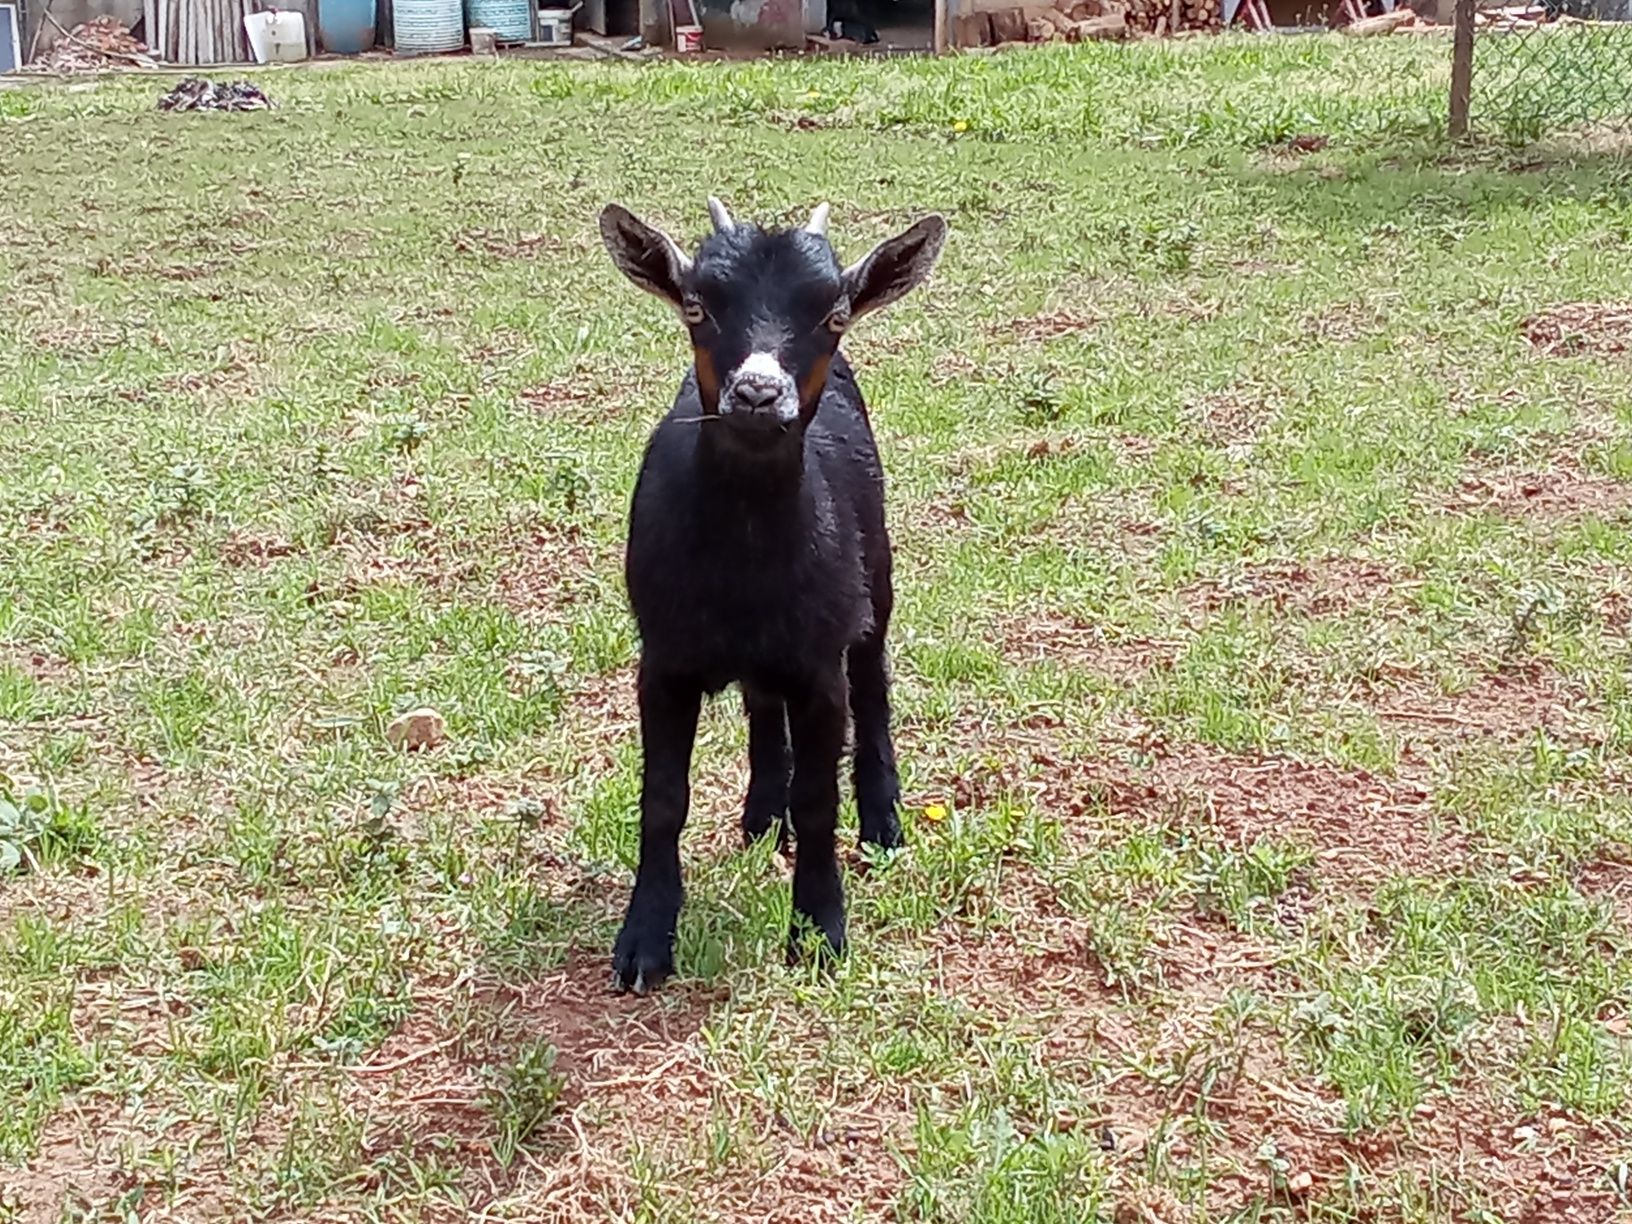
(760, 398)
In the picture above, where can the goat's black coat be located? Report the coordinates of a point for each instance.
(759, 572)
(758, 555)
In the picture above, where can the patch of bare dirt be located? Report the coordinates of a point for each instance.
(1037, 966)
(1232, 418)
(952, 366)
(430, 1087)
(1509, 706)
(561, 394)
(255, 550)
(635, 1075)
(1552, 1166)
(593, 391)
(235, 375)
(1345, 322)
(75, 1173)
(1563, 490)
(39, 666)
(1275, 1136)
(506, 245)
(1191, 309)
(1175, 1087)
(1234, 1105)
(1135, 448)
(1328, 586)
(1609, 880)
(1362, 828)
(1615, 610)
(982, 458)
(1068, 641)
(542, 574)
(1049, 325)
(80, 333)
(1574, 329)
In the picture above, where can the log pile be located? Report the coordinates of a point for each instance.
(1064, 21)
(92, 46)
(1160, 17)
(1383, 23)
(1088, 21)
(1527, 17)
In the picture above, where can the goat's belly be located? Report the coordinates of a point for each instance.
(735, 641)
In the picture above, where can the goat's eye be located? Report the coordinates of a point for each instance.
(692, 312)
(838, 320)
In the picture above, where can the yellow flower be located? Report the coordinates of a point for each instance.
(960, 125)
(935, 813)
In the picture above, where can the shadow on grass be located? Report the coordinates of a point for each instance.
(1429, 182)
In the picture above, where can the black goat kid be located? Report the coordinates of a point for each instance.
(758, 554)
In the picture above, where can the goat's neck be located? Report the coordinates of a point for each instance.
(776, 474)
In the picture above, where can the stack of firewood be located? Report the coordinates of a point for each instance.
(1161, 17)
(1067, 20)
(1087, 20)
(1514, 16)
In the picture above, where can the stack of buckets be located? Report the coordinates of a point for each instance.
(425, 27)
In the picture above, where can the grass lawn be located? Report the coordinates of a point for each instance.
(1265, 590)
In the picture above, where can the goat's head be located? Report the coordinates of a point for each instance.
(766, 308)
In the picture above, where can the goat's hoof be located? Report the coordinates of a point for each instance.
(640, 985)
(884, 836)
(881, 825)
(823, 938)
(757, 826)
(640, 963)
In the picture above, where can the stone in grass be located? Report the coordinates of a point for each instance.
(417, 730)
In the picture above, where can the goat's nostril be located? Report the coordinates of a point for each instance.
(756, 392)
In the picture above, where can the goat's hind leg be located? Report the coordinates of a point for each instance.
(770, 766)
(644, 954)
(816, 719)
(878, 786)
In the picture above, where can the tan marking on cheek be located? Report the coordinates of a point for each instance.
(708, 380)
(811, 388)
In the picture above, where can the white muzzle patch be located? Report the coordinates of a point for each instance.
(761, 385)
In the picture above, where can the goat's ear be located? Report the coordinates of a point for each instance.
(645, 254)
(894, 267)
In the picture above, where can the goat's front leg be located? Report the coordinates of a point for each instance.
(817, 719)
(644, 954)
(768, 767)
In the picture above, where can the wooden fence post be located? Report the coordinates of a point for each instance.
(1461, 69)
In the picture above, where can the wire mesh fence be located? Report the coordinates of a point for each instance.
(1548, 67)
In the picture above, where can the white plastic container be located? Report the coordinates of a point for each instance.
(276, 37)
(555, 27)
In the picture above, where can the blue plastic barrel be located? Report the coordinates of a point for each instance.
(424, 27)
(346, 27)
(510, 20)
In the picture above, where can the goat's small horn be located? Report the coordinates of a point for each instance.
(722, 218)
(818, 221)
